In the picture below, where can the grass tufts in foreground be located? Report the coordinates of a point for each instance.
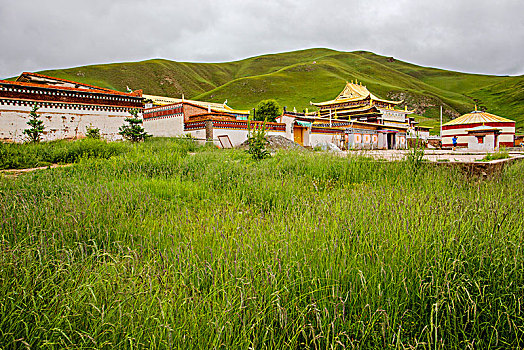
(31, 155)
(161, 248)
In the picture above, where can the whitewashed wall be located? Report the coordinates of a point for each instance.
(167, 127)
(316, 139)
(59, 123)
(289, 121)
(237, 137)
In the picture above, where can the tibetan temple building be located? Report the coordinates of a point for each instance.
(355, 102)
(66, 107)
(479, 131)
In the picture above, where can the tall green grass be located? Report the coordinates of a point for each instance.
(162, 248)
(30, 155)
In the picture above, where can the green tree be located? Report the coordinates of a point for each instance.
(267, 110)
(257, 141)
(133, 130)
(36, 126)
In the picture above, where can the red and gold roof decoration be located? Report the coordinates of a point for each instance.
(477, 117)
(354, 92)
(36, 80)
(216, 107)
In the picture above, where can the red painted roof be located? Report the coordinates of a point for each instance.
(91, 88)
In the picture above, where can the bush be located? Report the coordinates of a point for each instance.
(92, 133)
(36, 126)
(257, 141)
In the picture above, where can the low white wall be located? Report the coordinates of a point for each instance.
(168, 127)
(316, 139)
(59, 123)
(237, 137)
(199, 134)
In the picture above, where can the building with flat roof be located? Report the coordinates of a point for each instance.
(66, 107)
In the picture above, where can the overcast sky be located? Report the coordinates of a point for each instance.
(481, 36)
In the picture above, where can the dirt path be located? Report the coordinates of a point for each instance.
(17, 172)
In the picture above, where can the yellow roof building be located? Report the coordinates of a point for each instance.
(476, 117)
(216, 107)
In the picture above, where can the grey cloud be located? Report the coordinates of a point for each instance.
(474, 36)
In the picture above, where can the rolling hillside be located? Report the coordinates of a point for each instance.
(296, 78)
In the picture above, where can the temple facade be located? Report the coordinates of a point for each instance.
(355, 102)
(66, 107)
(311, 131)
(356, 107)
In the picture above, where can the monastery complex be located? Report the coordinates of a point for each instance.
(355, 119)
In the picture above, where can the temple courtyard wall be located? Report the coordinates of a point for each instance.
(61, 122)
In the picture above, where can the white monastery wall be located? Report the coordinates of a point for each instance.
(237, 137)
(316, 139)
(289, 121)
(167, 127)
(59, 123)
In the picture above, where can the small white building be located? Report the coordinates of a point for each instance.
(462, 127)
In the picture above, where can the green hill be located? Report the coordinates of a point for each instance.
(296, 78)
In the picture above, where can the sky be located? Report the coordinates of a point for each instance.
(477, 36)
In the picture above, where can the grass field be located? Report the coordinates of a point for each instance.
(296, 78)
(170, 245)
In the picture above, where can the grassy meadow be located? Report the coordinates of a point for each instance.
(171, 245)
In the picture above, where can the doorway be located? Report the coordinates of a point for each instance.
(298, 135)
(391, 140)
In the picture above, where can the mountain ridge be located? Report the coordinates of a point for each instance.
(297, 77)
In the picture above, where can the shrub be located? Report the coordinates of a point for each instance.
(257, 141)
(92, 132)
